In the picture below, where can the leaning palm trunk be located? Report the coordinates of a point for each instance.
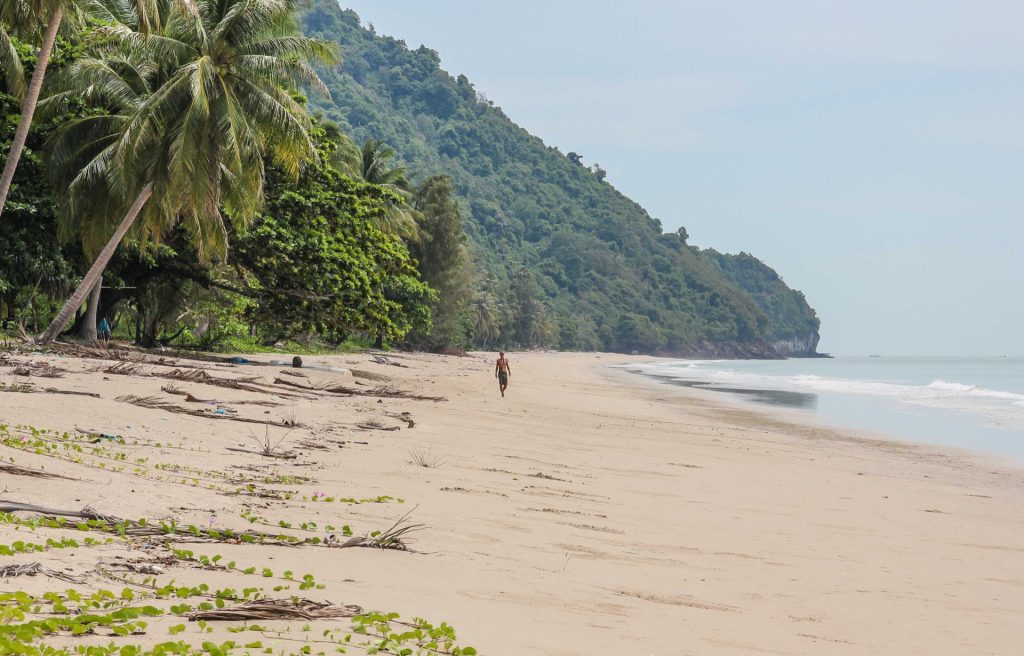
(88, 331)
(92, 278)
(28, 108)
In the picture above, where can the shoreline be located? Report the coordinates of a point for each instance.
(795, 419)
(583, 514)
(727, 407)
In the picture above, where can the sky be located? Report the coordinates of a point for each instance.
(871, 152)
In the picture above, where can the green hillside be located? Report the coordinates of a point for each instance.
(574, 263)
(792, 324)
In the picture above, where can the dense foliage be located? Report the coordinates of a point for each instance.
(787, 309)
(573, 263)
(426, 216)
(318, 264)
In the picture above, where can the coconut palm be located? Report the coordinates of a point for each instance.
(39, 21)
(486, 316)
(372, 162)
(197, 106)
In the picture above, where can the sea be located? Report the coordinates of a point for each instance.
(974, 403)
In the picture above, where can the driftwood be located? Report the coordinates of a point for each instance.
(31, 569)
(16, 470)
(84, 513)
(297, 374)
(277, 609)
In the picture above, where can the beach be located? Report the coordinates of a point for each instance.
(590, 511)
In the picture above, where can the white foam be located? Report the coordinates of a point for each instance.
(1004, 406)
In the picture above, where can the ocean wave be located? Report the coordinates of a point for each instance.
(938, 393)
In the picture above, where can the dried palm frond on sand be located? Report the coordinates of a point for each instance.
(278, 609)
(32, 569)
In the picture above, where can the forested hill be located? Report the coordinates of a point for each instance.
(575, 263)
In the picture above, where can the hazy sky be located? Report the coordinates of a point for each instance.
(872, 152)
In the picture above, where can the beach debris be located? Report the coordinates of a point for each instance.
(32, 569)
(376, 425)
(277, 609)
(548, 477)
(85, 513)
(382, 391)
(126, 368)
(382, 359)
(29, 388)
(17, 470)
(24, 388)
(289, 383)
(404, 416)
(172, 388)
(369, 375)
(38, 370)
(283, 456)
(155, 403)
(297, 374)
(297, 362)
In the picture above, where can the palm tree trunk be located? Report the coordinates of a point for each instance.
(88, 331)
(28, 108)
(96, 270)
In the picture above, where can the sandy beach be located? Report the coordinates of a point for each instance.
(589, 512)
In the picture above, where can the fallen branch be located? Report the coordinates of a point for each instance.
(277, 609)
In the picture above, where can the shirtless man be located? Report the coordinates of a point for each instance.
(502, 371)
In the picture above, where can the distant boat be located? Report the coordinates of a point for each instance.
(874, 356)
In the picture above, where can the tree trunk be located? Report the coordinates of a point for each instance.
(28, 108)
(88, 330)
(96, 270)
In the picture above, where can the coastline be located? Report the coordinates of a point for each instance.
(590, 512)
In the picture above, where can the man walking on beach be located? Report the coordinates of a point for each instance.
(502, 371)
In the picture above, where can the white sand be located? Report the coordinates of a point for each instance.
(589, 512)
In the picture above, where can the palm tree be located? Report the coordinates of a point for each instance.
(372, 163)
(197, 106)
(39, 21)
(485, 317)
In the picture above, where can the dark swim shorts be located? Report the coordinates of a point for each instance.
(503, 377)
